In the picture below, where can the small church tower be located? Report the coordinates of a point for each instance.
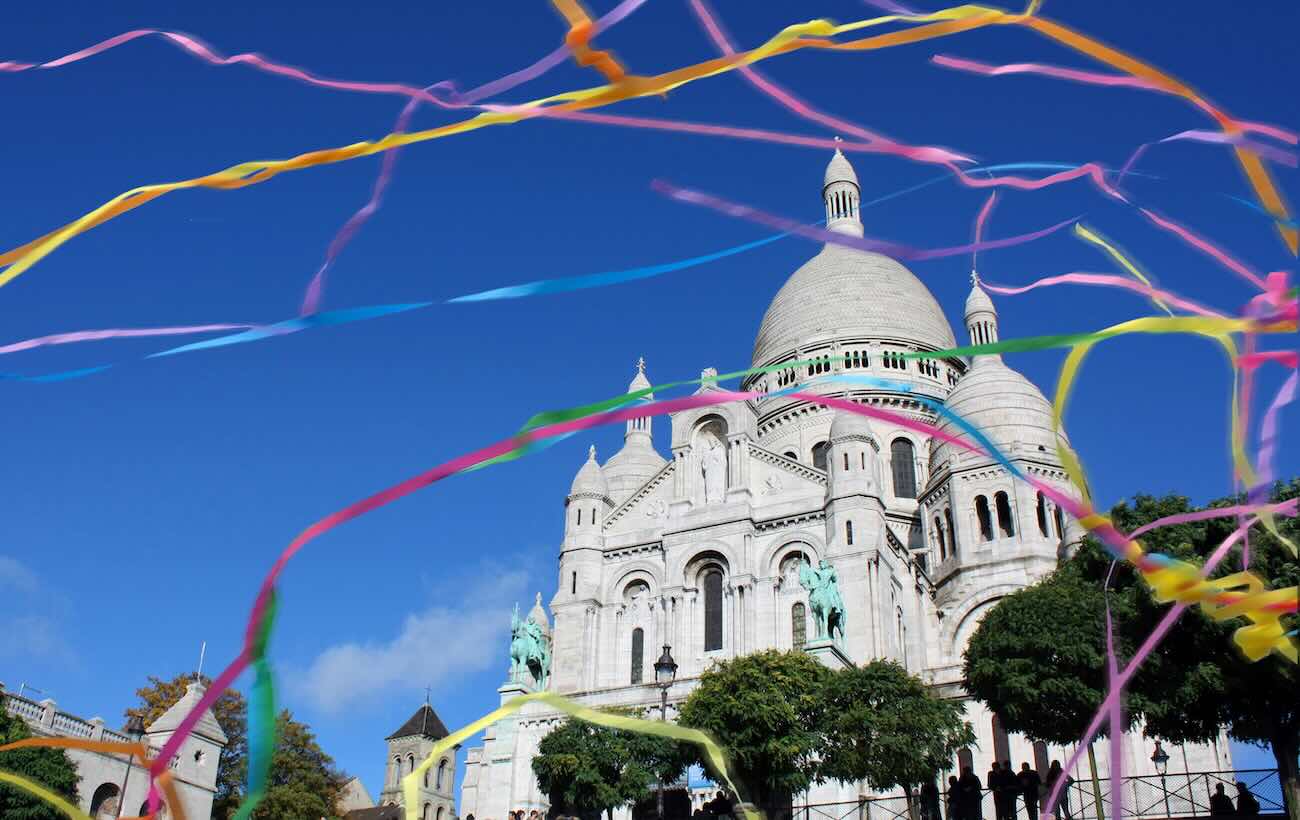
(407, 749)
(842, 197)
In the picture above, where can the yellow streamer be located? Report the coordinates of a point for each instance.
(1091, 236)
(45, 794)
(717, 758)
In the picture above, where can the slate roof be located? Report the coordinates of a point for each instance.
(424, 723)
(375, 813)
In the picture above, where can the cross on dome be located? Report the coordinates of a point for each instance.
(640, 364)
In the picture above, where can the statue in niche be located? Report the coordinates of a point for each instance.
(824, 599)
(713, 466)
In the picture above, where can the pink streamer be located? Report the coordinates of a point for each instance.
(1096, 78)
(1287, 358)
(1116, 720)
(1205, 247)
(871, 245)
(116, 333)
(980, 219)
(1108, 280)
(1281, 508)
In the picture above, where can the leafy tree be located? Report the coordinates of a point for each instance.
(302, 781)
(50, 767)
(766, 710)
(884, 726)
(1038, 658)
(585, 767)
(231, 712)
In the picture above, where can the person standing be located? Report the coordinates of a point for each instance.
(1010, 789)
(1246, 802)
(996, 788)
(1055, 773)
(972, 795)
(930, 801)
(1028, 782)
(956, 811)
(1221, 803)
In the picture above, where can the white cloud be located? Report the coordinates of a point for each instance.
(34, 636)
(462, 633)
(15, 576)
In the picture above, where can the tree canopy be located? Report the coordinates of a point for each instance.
(51, 768)
(884, 726)
(585, 767)
(1038, 657)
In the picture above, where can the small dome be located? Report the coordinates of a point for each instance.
(639, 382)
(1004, 406)
(842, 292)
(849, 424)
(839, 169)
(590, 479)
(978, 301)
(632, 467)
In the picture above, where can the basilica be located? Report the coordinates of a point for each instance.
(710, 548)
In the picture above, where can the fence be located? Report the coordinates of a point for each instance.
(1145, 796)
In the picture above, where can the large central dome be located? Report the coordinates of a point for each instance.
(846, 293)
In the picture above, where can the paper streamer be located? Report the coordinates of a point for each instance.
(1088, 235)
(1080, 278)
(870, 245)
(578, 40)
(115, 333)
(1206, 247)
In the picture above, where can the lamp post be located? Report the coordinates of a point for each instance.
(1161, 759)
(134, 731)
(665, 674)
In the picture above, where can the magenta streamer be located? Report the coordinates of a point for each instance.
(1205, 246)
(115, 333)
(1108, 280)
(892, 249)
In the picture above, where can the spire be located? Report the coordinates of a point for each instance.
(981, 319)
(841, 195)
(639, 430)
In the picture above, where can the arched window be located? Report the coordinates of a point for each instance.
(901, 635)
(1042, 515)
(798, 625)
(1060, 523)
(103, 803)
(442, 773)
(819, 455)
(410, 763)
(397, 768)
(938, 535)
(1040, 758)
(1001, 744)
(638, 653)
(792, 455)
(580, 516)
(426, 778)
(846, 462)
(903, 457)
(986, 520)
(440, 810)
(426, 812)
(848, 532)
(965, 760)
(573, 588)
(712, 610)
(863, 458)
(952, 534)
(1005, 522)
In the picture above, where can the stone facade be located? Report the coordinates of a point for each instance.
(194, 768)
(408, 747)
(700, 550)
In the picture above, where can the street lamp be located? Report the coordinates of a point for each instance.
(134, 731)
(1161, 759)
(665, 674)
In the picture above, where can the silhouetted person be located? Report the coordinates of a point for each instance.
(1028, 782)
(930, 801)
(971, 794)
(955, 810)
(719, 806)
(997, 788)
(1010, 791)
(1055, 773)
(1221, 803)
(1246, 802)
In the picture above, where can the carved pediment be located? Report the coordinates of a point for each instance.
(647, 507)
(773, 474)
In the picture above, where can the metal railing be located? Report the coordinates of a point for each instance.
(1143, 796)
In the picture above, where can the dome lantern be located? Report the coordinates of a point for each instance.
(842, 196)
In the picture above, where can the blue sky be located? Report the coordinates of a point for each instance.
(142, 506)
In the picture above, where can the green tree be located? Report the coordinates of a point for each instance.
(231, 712)
(302, 782)
(585, 767)
(884, 726)
(50, 767)
(1038, 658)
(766, 710)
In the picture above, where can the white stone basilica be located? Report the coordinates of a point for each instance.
(701, 550)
